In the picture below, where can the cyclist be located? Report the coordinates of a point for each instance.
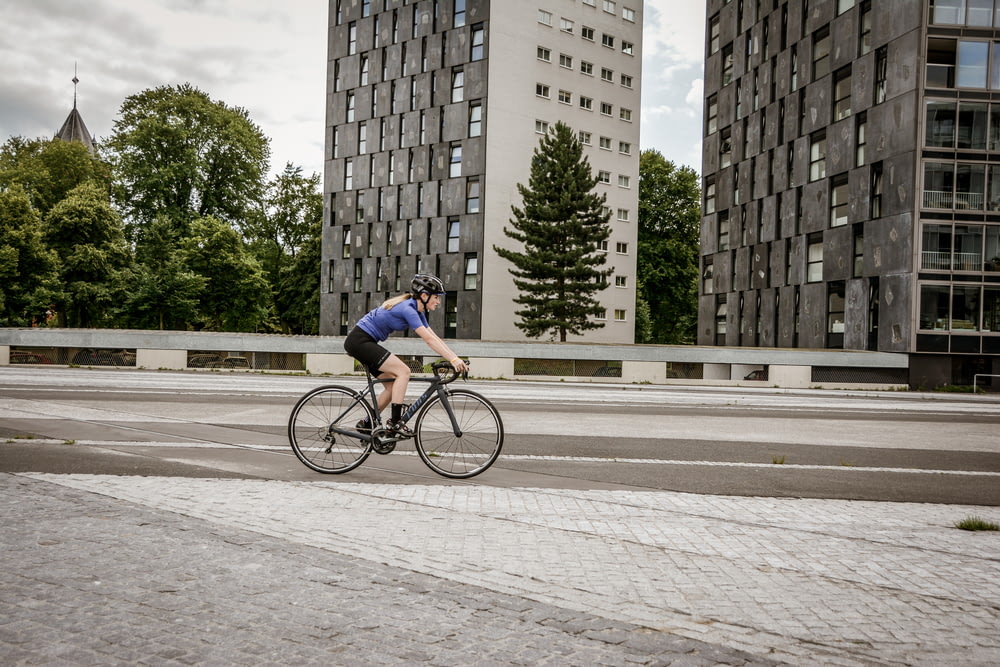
(406, 311)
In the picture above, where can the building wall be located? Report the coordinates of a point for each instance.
(413, 123)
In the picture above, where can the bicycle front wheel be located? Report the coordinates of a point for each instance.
(470, 450)
(314, 424)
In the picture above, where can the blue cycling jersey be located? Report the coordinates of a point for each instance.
(379, 323)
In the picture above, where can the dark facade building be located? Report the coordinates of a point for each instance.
(434, 108)
(852, 180)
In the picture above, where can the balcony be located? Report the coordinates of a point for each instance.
(972, 201)
(934, 260)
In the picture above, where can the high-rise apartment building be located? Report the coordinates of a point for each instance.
(434, 109)
(851, 180)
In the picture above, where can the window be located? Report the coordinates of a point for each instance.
(621, 281)
(712, 114)
(625, 114)
(357, 275)
(605, 143)
(709, 196)
(817, 156)
(457, 85)
(362, 138)
(543, 53)
(565, 61)
(565, 97)
(624, 181)
(713, 34)
(604, 176)
(875, 198)
(835, 310)
(478, 42)
(454, 234)
(723, 230)
(541, 127)
(972, 60)
(606, 109)
(587, 68)
(587, 33)
(843, 6)
(628, 14)
(544, 17)
(350, 107)
(352, 38)
(608, 40)
(821, 53)
(861, 138)
(348, 174)
(626, 81)
(586, 103)
(566, 25)
(455, 164)
(345, 243)
(814, 258)
(459, 14)
(471, 271)
(881, 74)
(602, 246)
(584, 136)
(842, 94)
(865, 28)
(727, 64)
(628, 48)
(336, 142)
(619, 314)
(726, 149)
(623, 215)
(625, 148)
(472, 196)
(607, 74)
(609, 6)
(542, 90)
(838, 201)
(475, 119)
(621, 248)
(365, 67)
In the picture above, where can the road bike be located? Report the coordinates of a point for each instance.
(457, 432)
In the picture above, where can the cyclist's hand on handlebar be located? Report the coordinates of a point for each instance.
(460, 366)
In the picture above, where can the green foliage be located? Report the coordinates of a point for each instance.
(28, 269)
(297, 296)
(976, 523)
(87, 235)
(668, 256)
(48, 169)
(178, 154)
(235, 295)
(559, 227)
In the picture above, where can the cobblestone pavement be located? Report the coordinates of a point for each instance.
(165, 570)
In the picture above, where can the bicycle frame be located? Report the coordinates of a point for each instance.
(437, 386)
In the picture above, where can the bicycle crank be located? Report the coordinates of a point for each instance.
(383, 441)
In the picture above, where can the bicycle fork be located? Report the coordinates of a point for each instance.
(443, 393)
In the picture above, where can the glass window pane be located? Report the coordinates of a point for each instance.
(965, 308)
(936, 252)
(949, 12)
(938, 185)
(941, 124)
(972, 122)
(980, 12)
(970, 186)
(992, 250)
(934, 307)
(972, 64)
(991, 309)
(968, 248)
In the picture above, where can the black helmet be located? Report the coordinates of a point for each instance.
(424, 282)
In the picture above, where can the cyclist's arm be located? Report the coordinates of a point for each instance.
(439, 346)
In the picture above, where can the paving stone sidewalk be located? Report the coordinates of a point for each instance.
(107, 569)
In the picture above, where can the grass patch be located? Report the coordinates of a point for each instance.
(976, 523)
(778, 460)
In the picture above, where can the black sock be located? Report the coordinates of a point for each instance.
(397, 411)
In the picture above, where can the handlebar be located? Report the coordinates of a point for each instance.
(446, 372)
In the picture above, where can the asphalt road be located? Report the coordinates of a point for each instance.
(892, 446)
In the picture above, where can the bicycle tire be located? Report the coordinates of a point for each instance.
(459, 457)
(309, 431)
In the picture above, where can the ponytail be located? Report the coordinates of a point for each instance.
(396, 300)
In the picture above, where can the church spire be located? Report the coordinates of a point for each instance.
(74, 129)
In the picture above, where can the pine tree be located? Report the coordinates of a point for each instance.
(561, 225)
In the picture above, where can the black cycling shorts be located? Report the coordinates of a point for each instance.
(363, 347)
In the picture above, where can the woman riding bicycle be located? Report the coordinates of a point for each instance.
(406, 311)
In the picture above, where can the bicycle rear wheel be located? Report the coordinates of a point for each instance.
(312, 429)
(475, 448)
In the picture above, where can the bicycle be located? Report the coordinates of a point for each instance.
(457, 432)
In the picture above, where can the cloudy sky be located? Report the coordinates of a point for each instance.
(267, 57)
